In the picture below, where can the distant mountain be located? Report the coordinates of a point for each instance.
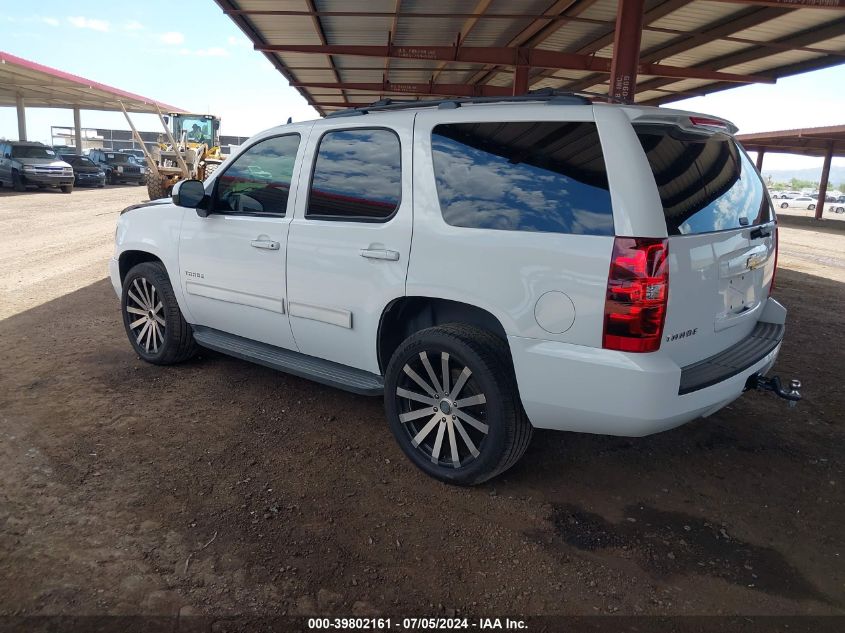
(837, 174)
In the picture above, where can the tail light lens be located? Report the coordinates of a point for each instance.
(775, 270)
(637, 291)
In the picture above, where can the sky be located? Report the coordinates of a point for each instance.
(190, 55)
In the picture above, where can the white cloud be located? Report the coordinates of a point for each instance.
(89, 23)
(50, 21)
(214, 51)
(133, 25)
(239, 41)
(172, 37)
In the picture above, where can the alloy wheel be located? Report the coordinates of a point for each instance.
(451, 428)
(144, 310)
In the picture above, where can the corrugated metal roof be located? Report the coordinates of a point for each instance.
(704, 37)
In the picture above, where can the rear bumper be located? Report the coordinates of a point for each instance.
(574, 388)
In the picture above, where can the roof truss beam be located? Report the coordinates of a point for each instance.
(530, 57)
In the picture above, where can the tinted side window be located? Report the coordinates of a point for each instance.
(531, 176)
(259, 180)
(357, 176)
(706, 182)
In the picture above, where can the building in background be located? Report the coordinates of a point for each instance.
(97, 138)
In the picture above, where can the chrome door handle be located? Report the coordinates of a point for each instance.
(268, 244)
(375, 253)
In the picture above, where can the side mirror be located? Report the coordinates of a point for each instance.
(188, 193)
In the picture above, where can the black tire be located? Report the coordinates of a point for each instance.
(811, 207)
(155, 187)
(17, 182)
(487, 357)
(67, 188)
(784, 205)
(210, 168)
(110, 178)
(177, 340)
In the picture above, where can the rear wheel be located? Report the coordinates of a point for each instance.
(784, 205)
(152, 318)
(452, 404)
(17, 182)
(811, 207)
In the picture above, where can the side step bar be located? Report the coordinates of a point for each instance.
(316, 369)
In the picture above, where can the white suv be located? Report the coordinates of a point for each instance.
(487, 268)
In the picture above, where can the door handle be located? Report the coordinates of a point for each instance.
(268, 244)
(377, 253)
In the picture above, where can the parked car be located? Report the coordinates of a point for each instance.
(801, 202)
(85, 172)
(24, 164)
(486, 269)
(118, 167)
(784, 195)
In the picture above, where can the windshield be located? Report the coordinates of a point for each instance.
(706, 182)
(198, 129)
(32, 151)
(120, 158)
(79, 161)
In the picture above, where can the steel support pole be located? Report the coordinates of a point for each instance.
(21, 117)
(626, 50)
(760, 154)
(823, 183)
(77, 130)
(520, 80)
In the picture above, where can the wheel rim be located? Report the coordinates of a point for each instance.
(443, 413)
(144, 315)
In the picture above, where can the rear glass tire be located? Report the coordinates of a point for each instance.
(475, 428)
(152, 319)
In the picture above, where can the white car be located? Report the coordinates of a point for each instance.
(801, 202)
(778, 195)
(486, 267)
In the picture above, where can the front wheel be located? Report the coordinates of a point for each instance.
(452, 404)
(784, 205)
(152, 318)
(17, 182)
(67, 188)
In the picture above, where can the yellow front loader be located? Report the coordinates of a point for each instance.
(189, 148)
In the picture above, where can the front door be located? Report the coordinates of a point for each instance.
(232, 263)
(350, 239)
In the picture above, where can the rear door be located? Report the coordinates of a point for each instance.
(350, 238)
(721, 231)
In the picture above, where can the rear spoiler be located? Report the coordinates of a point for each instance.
(689, 121)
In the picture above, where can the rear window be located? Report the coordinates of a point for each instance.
(706, 182)
(522, 176)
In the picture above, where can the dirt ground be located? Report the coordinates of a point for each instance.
(220, 487)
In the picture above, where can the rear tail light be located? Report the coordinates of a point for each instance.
(637, 291)
(775, 269)
(701, 121)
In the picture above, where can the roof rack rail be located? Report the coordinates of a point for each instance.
(548, 95)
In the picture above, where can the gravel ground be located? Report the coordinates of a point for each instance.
(220, 487)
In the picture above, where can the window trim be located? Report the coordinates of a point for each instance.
(354, 218)
(256, 214)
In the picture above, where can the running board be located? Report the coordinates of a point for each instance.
(310, 367)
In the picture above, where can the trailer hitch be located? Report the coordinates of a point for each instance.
(774, 385)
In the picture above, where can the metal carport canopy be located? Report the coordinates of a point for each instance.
(26, 83)
(813, 141)
(342, 53)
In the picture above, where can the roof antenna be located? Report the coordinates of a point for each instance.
(290, 120)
